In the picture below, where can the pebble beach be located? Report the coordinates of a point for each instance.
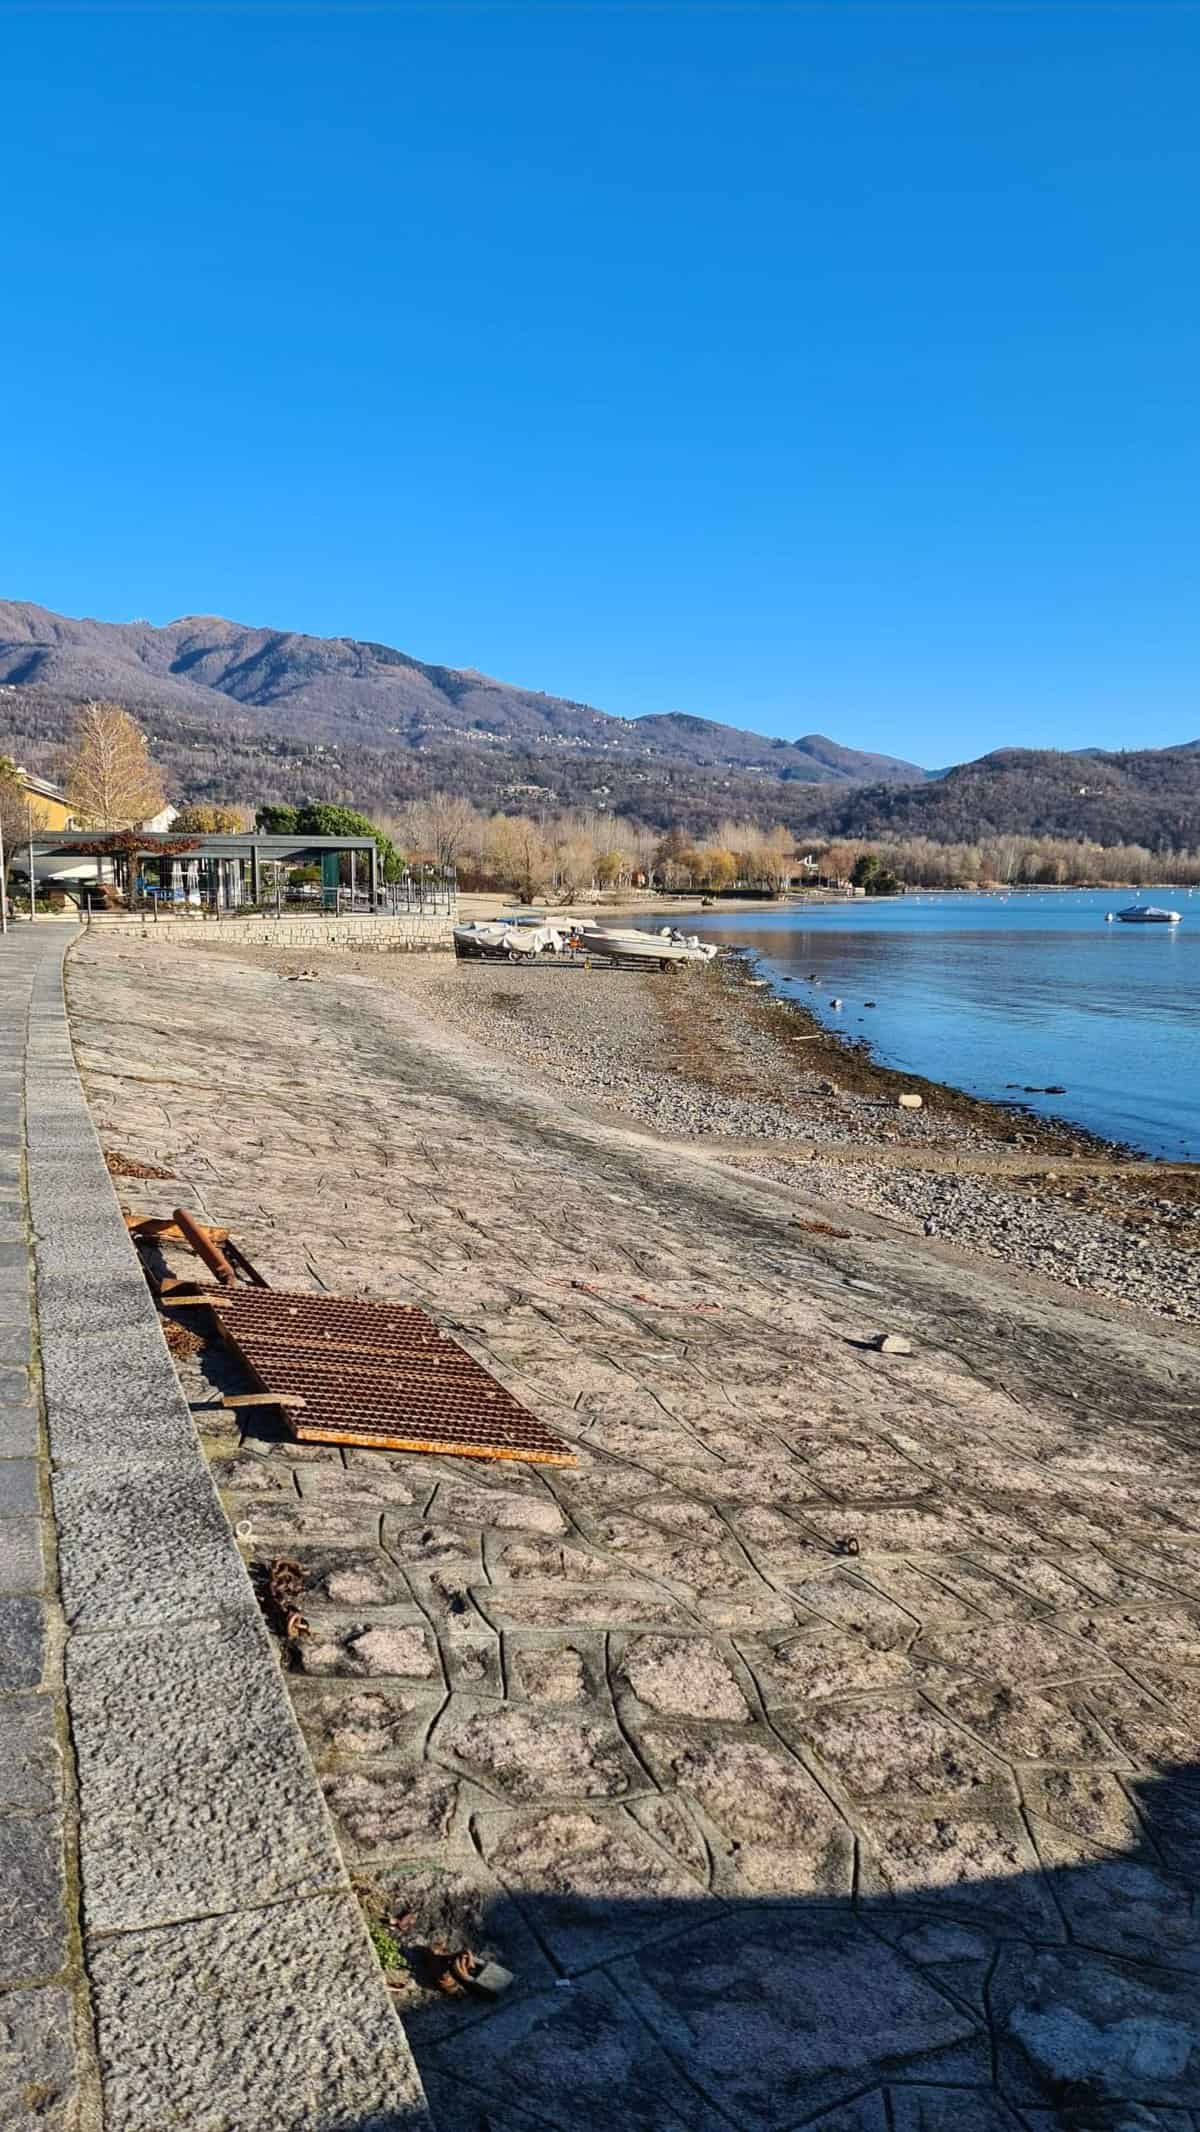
(713, 1057)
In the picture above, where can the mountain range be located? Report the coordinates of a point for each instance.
(332, 694)
(242, 713)
(1147, 796)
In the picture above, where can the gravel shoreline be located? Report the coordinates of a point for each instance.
(708, 1057)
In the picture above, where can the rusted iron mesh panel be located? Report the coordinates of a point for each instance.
(381, 1374)
(342, 1323)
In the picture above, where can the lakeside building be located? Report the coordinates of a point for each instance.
(150, 869)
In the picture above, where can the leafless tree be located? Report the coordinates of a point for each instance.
(440, 828)
(519, 854)
(110, 780)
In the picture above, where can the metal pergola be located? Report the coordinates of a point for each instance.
(253, 848)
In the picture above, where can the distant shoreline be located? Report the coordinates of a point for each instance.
(491, 903)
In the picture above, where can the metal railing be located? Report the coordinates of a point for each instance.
(425, 891)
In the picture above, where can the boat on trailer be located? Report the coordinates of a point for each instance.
(662, 950)
(513, 939)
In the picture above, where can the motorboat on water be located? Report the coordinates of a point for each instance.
(517, 939)
(660, 950)
(1147, 914)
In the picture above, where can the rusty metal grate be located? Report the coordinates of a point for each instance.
(342, 1324)
(379, 1374)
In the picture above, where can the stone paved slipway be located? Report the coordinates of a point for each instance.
(773, 1835)
(183, 1950)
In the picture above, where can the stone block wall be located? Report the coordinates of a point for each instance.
(384, 934)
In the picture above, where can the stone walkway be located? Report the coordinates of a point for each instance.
(45, 2025)
(822, 1751)
(179, 1945)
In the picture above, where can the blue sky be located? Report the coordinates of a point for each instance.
(811, 367)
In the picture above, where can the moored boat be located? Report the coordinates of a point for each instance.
(1149, 914)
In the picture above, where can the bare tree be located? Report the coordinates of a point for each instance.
(111, 782)
(440, 827)
(519, 854)
(720, 866)
(839, 860)
(777, 858)
(574, 852)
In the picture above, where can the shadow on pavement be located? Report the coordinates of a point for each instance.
(1060, 1997)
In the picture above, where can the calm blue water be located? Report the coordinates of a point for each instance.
(980, 991)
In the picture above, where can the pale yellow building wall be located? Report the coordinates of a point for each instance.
(47, 813)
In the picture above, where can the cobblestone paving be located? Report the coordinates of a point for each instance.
(41, 1993)
(903, 1839)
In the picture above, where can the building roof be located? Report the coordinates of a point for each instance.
(42, 786)
(147, 843)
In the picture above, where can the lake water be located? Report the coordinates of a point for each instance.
(981, 991)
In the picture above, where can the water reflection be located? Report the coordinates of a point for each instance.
(983, 991)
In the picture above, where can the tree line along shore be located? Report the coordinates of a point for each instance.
(112, 782)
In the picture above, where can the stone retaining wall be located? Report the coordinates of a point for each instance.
(386, 934)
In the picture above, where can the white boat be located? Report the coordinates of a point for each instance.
(518, 939)
(657, 950)
(1149, 914)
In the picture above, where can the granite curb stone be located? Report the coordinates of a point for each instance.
(22, 1642)
(18, 1431)
(267, 2018)
(18, 1487)
(145, 1545)
(41, 1989)
(196, 1792)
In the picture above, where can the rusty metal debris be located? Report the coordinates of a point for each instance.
(205, 1247)
(214, 1246)
(463, 1972)
(153, 1229)
(180, 1339)
(455, 1973)
(377, 1374)
(342, 1370)
(280, 1589)
(119, 1165)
